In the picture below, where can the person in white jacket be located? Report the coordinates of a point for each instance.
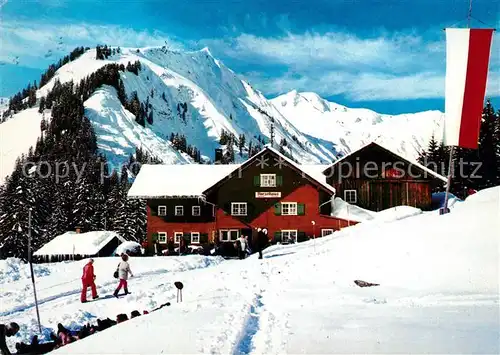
(123, 272)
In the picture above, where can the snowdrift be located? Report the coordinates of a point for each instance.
(355, 213)
(430, 268)
(12, 269)
(350, 212)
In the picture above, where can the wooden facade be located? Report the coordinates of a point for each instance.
(375, 178)
(242, 202)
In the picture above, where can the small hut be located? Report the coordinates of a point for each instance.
(77, 246)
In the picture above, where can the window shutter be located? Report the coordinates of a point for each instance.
(154, 237)
(301, 209)
(279, 180)
(277, 209)
(277, 237)
(256, 180)
(203, 238)
(154, 211)
(301, 237)
(227, 208)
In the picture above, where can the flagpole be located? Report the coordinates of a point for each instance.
(32, 272)
(448, 185)
(452, 149)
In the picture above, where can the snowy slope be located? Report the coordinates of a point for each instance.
(348, 129)
(118, 133)
(17, 135)
(217, 99)
(438, 293)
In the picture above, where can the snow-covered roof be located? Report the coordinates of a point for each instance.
(89, 243)
(414, 163)
(315, 171)
(192, 180)
(186, 180)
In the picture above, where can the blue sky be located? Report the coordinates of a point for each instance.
(386, 55)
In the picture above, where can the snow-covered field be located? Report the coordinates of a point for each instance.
(438, 293)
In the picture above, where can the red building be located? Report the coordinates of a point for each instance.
(218, 203)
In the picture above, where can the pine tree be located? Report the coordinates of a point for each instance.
(114, 202)
(122, 96)
(42, 104)
(23, 194)
(241, 144)
(32, 97)
(488, 146)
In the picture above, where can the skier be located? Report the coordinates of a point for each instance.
(88, 280)
(123, 271)
(7, 330)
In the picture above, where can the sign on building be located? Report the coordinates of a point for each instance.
(268, 194)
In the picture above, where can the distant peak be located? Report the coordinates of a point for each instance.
(207, 51)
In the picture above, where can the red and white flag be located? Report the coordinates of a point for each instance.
(467, 60)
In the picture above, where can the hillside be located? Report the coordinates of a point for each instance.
(407, 134)
(438, 293)
(194, 95)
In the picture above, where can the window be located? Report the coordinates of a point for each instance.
(162, 237)
(289, 236)
(325, 232)
(289, 208)
(239, 208)
(195, 237)
(162, 210)
(179, 210)
(268, 180)
(177, 237)
(350, 196)
(228, 235)
(196, 211)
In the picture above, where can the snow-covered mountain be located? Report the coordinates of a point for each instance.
(195, 95)
(349, 128)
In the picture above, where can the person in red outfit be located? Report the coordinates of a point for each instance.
(88, 280)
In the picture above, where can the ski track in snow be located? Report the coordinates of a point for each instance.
(438, 294)
(250, 327)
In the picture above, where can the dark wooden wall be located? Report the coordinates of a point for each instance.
(380, 194)
(381, 180)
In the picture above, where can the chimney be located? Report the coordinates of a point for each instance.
(218, 156)
(78, 229)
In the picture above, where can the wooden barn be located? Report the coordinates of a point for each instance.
(375, 178)
(217, 203)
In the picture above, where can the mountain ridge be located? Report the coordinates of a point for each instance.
(195, 95)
